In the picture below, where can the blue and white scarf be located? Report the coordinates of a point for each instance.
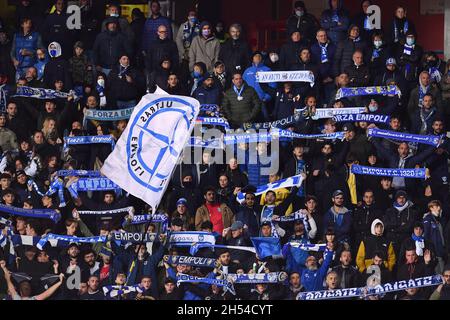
(296, 118)
(236, 138)
(149, 218)
(389, 172)
(308, 246)
(285, 76)
(191, 261)
(32, 213)
(92, 184)
(197, 142)
(362, 117)
(188, 238)
(227, 285)
(128, 210)
(401, 285)
(132, 237)
(289, 134)
(108, 115)
(327, 113)
(68, 141)
(21, 240)
(431, 140)
(253, 278)
(323, 53)
(56, 186)
(68, 239)
(78, 173)
(407, 49)
(113, 291)
(210, 108)
(367, 91)
(283, 183)
(6, 222)
(420, 244)
(41, 93)
(214, 122)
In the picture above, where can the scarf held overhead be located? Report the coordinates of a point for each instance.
(284, 76)
(389, 172)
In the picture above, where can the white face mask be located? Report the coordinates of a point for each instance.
(298, 13)
(274, 58)
(101, 82)
(373, 107)
(378, 43)
(410, 41)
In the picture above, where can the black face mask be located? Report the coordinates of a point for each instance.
(432, 63)
(188, 185)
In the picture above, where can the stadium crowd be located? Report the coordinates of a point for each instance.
(399, 226)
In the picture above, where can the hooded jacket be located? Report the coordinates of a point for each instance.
(341, 223)
(335, 32)
(363, 218)
(57, 69)
(373, 243)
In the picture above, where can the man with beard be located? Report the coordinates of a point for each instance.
(339, 218)
(363, 216)
(442, 292)
(399, 219)
(347, 274)
(290, 51)
(208, 92)
(296, 257)
(235, 52)
(93, 291)
(437, 163)
(313, 276)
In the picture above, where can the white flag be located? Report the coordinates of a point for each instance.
(145, 156)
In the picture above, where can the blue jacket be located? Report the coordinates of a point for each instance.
(40, 66)
(342, 225)
(431, 232)
(189, 295)
(149, 269)
(31, 42)
(312, 280)
(255, 178)
(207, 95)
(250, 77)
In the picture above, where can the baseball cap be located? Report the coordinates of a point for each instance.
(338, 193)
(237, 225)
(391, 61)
(348, 127)
(182, 201)
(401, 193)
(266, 223)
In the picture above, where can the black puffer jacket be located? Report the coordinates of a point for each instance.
(344, 53)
